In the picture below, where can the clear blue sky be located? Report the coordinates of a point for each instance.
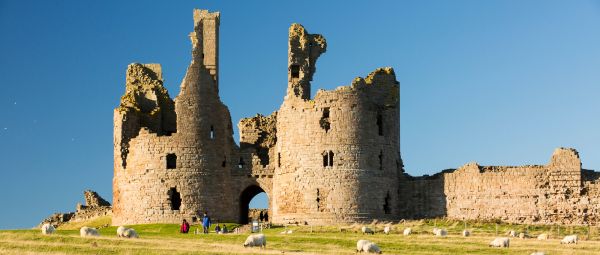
(497, 82)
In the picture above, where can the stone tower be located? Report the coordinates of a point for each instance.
(170, 157)
(339, 158)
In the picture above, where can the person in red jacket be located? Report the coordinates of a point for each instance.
(185, 227)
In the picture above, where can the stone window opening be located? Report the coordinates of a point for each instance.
(324, 122)
(386, 205)
(380, 124)
(194, 219)
(318, 200)
(380, 160)
(174, 199)
(212, 132)
(171, 161)
(224, 163)
(325, 159)
(279, 159)
(295, 71)
(241, 163)
(330, 158)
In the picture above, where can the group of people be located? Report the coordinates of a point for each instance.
(206, 222)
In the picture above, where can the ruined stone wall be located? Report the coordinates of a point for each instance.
(548, 194)
(339, 153)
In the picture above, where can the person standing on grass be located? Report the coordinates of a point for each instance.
(185, 227)
(266, 216)
(205, 223)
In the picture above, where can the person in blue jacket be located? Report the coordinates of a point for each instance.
(205, 223)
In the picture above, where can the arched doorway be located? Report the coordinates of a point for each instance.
(247, 195)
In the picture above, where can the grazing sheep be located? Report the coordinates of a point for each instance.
(440, 232)
(360, 244)
(569, 239)
(256, 240)
(386, 230)
(407, 231)
(130, 233)
(367, 230)
(289, 231)
(512, 233)
(86, 231)
(371, 247)
(466, 233)
(120, 231)
(47, 229)
(538, 253)
(500, 242)
(367, 246)
(543, 236)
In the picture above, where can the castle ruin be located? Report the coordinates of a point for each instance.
(331, 158)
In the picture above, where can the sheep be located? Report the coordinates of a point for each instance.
(360, 244)
(120, 231)
(407, 231)
(371, 247)
(440, 232)
(130, 233)
(500, 242)
(256, 240)
(87, 231)
(47, 229)
(512, 233)
(367, 230)
(538, 253)
(569, 239)
(386, 230)
(466, 233)
(367, 246)
(286, 232)
(522, 235)
(543, 236)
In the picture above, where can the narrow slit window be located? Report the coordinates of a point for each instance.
(379, 124)
(295, 71)
(212, 132)
(224, 163)
(279, 159)
(380, 160)
(386, 205)
(330, 158)
(171, 161)
(174, 199)
(325, 159)
(241, 163)
(318, 200)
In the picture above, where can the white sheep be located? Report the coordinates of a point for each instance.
(543, 236)
(120, 231)
(440, 232)
(538, 253)
(386, 230)
(367, 230)
(256, 240)
(360, 244)
(500, 242)
(407, 231)
(569, 239)
(367, 246)
(130, 233)
(371, 247)
(87, 231)
(466, 233)
(47, 229)
(512, 233)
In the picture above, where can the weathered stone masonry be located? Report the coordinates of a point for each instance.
(329, 159)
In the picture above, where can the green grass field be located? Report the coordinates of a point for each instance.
(165, 239)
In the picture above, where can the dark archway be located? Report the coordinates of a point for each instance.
(247, 195)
